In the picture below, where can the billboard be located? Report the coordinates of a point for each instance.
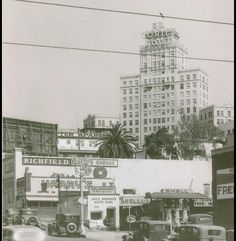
(63, 161)
(66, 185)
(225, 183)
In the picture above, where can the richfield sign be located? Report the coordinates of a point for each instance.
(61, 161)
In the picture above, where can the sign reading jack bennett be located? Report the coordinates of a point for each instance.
(61, 161)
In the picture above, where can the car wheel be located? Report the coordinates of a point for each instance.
(32, 221)
(71, 228)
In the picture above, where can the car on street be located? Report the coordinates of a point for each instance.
(201, 232)
(22, 233)
(66, 224)
(153, 230)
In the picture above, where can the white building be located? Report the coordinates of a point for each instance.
(67, 142)
(164, 87)
(79, 142)
(217, 115)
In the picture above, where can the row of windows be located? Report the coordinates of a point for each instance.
(136, 98)
(158, 96)
(130, 82)
(221, 113)
(146, 129)
(125, 91)
(188, 102)
(156, 128)
(154, 121)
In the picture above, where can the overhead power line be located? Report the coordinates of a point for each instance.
(161, 15)
(109, 51)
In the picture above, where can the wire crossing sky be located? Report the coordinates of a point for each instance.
(109, 51)
(127, 12)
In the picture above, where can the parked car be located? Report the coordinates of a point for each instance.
(22, 233)
(22, 216)
(230, 235)
(66, 224)
(200, 218)
(153, 230)
(201, 232)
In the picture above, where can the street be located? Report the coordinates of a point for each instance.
(91, 236)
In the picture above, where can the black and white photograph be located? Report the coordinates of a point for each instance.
(117, 120)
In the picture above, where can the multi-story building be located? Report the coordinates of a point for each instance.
(217, 115)
(227, 128)
(93, 121)
(35, 138)
(164, 88)
(68, 142)
(83, 142)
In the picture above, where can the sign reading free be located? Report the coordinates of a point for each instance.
(61, 161)
(225, 191)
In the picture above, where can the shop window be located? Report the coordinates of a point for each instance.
(96, 215)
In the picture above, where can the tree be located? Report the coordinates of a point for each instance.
(161, 145)
(191, 133)
(118, 143)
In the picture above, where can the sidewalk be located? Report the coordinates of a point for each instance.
(106, 235)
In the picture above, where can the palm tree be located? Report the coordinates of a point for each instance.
(118, 143)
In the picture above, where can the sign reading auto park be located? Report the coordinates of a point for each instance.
(62, 161)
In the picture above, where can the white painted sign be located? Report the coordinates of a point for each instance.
(66, 184)
(225, 191)
(133, 201)
(63, 161)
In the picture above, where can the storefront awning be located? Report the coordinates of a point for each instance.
(43, 198)
(194, 195)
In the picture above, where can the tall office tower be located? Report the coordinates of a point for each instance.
(164, 88)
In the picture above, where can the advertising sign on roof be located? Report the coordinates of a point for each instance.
(225, 183)
(102, 190)
(127, 201)
(62, 161)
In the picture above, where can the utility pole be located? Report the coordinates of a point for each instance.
(25, 187)
(81, 198)
(59, 193)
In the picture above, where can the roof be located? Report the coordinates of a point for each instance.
(202, 226)
(193, 195)
(153, 222)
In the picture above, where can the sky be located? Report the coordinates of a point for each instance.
(64, 86)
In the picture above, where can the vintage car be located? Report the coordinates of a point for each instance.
(22, 233)
(201, 232)
(153, 230)
(200, 218)
(26, 216)
(66, 224)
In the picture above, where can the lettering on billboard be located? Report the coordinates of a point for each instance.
(225, 191)
(102, 190)
(57, 161)
(133, 201)
(96, 202)
(66, 185)
(225, 183)
(169, 190)
(129, 191)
